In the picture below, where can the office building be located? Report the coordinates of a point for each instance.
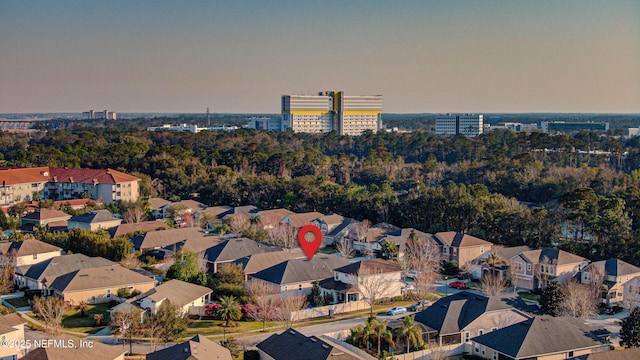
(332, 111)
(561, 126)
(92, 114)
(459, 124)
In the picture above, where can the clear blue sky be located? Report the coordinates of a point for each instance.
(241, 56)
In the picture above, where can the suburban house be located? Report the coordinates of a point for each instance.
(94, 220)
(231, 250)
(282, 347)
(184, 211)
(27, 252)
(159, 239)
(254, 263)
(459, 317)
(483, 264)
(540, 337)
(186, 295)
(400, 239)
(271, 218)
(459, 247)
(54, 219)
(298, 220)
(352, 282)
(631, 293)
(246, 211)
(97, 285)
(370, 241)
(297, 276)
(98, 350)
(11, 331)
(535, 268)
(143, 227)
(156, 205)
(196, 348)
(626, 354)
(613, 274)
(338, 232)
(38, 276)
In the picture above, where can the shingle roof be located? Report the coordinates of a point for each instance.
(147, 226)
(94, 217)
(613, 267)
(273, 216)
(176, 291)
(301, 219)
(505, 253)
(197, 348)
(345, 223)
(64, 264)
(453, 313)
(626, 354)
(234, 249)
(46, 214)
(8, 322)
(98, 351)
(369, 267)
(162, 238)
(541, 335)
(157, 203)
(282, 346)
(302, 270)
(98, 278)
(555, 256)
(26, 247)
(459, 240)
(253, 263)
(108, 176)
(218, 211)
(247, 211)
(190, 205)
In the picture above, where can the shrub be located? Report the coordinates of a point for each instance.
(212, 309)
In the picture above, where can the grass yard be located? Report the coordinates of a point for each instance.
(211, 327)
(327, 250)
(73, 321)
(529, 296)
(18, 302)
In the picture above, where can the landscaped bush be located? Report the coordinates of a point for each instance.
(212, 309)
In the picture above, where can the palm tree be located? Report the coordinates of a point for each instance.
(98, 318)
(410, 331)
(493, 260)
(230, 310)
(382, 333)
(389, 249)
(82, 306)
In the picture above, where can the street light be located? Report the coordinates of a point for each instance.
(446, 286)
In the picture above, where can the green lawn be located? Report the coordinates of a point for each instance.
(73, 321)
(18, 302)
(528, 296)
(211, 327)
(327, 250)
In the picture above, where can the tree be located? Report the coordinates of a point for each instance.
(551, 299)
(382, 333)
(344, 247)
(229, 281)
(172, 320)
(237, 223)
(126, 323)
(290, 303)
(493, 284)
(422, 255)
(411, 332)
(230, 310)
(389, 249)
(50, 310)
(98, 318)
(581, 301)
(315, 297)
(373, 287)
(283, 235)
(134, 213)
(186, 267)
(268, 304)
(82, 307)
(6, 275)
(630, 330)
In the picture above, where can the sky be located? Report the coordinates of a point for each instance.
(241, 56)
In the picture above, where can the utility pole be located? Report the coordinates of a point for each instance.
(208, 118)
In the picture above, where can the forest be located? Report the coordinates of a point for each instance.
(510, 188)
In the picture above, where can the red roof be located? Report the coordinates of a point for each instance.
(13, 176)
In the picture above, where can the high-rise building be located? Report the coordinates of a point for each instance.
(332, 111)
(459, 124)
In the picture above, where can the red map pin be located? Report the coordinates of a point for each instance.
(310, 239)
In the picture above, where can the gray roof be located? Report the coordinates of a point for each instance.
(162, 238)
(626, 354)
(541, 335)
(256, 262)
(197, 348)
(505, 253)
(302, 270)
(177, 292)
(613, 267)
(370, 267)
(282, 347)
(554, 256)
(451, 314)
(93, 217)
(60, 265)
(114, 276)
(234, 249)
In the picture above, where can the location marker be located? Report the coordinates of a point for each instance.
(310, 239)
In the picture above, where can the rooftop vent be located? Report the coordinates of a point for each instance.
(325, 346)
(292, 332)
(313, 339)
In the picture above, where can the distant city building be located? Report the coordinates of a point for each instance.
(634, 132)
(562, 126)
(265, 123)
(191, 128)
(332, 111)
(459, 124)
(92, 114)
(514, 126)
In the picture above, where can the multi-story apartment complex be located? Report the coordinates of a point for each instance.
(21, 184)
(92, 114)
(332, 111)
(459, 124)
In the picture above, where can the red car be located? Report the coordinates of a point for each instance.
(458, 285)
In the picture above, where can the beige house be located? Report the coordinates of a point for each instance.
(631, 293)
(38, 276)
(361, 279)
(51, 349)
(11, 334)
(42, 217)
(535, 268)
(541, 338)
(461, 248)
(27, 252)
(196, 348)
(99, 284)
(189, 296)
(94, 220)
(612, 274)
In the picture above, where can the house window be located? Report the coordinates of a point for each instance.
(467, 336)
(570, 353)
(494, 328)
(481, 249)
(35, 256)
(480, 332)
(477, 347)
(495, 355)
(335, 276)
(108, 293)
(484, 349)
(445, 250)
(528, 267)
(299, 287)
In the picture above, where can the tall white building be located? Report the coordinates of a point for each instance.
(463, 124)
(332, 110)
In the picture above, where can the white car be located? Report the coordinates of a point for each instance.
(412, 274)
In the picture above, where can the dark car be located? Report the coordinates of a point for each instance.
(420, 305)
(464, 275)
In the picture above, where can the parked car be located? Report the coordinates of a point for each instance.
(397, 310)
(458, 285)
(464, 275)
(420, 305)
(412, 274)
